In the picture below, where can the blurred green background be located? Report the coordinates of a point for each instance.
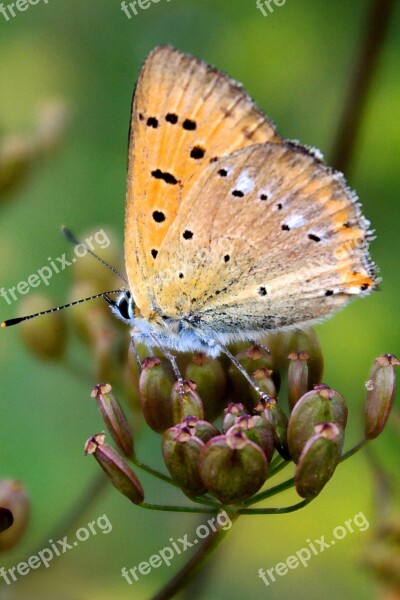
(296, 64)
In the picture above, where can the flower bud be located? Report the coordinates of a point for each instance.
(155, 386)
(181, 450)
(274, 415)
(251, 359)
(210, 379)
(380, 394)
(185, 402)
(232, 412)
(321, 404)
(45, 337)
(115, 467)
(232, 467)
(6, 519)
(319, 459)
(282, 344)
(14, 498)
(298, 373)
(201, 429)
(114, 418)
(258, 430)
(263, 378)
(306, 340)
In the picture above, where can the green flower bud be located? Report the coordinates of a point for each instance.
(45, 337)
(155, 387)
(321, 404)
(116, 468)
(258, 430)
(380, 394)
(252, 359)
(232, 412)
(211, 382)
(297, 340)
(185, 402)
(201, 429)
(13, 497)
(263, 378)
(274, 415)
(298, 374)
(114, 418)
(319, 459)
(232, 467)
(181, 450)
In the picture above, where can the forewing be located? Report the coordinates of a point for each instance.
(184, 115)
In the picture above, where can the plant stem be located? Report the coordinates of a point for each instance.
(360, 84)
(281, 487)
(274, 511)
(196, 562)
(154, 472)
(354, 450)
(186, 509)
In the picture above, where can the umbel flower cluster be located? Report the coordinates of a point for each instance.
(224, 465)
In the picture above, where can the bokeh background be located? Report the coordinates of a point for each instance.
(296, 63)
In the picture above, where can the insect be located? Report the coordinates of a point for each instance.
(231, 231)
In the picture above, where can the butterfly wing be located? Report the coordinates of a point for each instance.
(267, 237)
(184, 115)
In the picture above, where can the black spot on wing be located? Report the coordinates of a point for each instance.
(158, 216)
(152, 122)
(171, 118)
(167, 177)
(189, 125)
(197, 152)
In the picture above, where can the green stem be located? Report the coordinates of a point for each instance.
(196, 562)
(201, 500)
(354, 450)
(277, 468)
(274, 511)
(154, 472)
(186, 509)
(285, 485)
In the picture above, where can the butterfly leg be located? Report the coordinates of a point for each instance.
(171, 359)
(136, 354)
(237, 364)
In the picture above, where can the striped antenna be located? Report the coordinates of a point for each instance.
(71, 238)
(104, 295)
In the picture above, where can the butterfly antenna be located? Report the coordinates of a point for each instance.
(71, 238)
(51, 310)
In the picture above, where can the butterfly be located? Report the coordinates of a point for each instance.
(231, 231)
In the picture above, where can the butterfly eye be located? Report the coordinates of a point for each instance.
(124, 306)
